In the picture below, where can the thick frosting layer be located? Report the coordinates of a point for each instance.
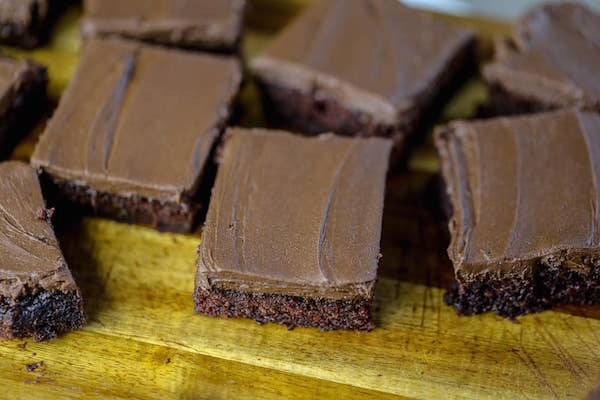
(374, 56)
(138, 119)
(295, 215)
(179, 22)
(30, 257)
(522, 189)
(554, 57)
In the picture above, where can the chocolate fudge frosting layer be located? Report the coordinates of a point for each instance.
(138, 119)
(523, 189)
(185, 22)
(373, 56)
(554, 57)
(29, 253)
(295, 216)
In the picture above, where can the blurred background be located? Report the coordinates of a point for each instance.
(504, 9)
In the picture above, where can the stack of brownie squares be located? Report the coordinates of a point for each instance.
(524, 188)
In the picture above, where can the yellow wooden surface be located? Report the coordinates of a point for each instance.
(143, 340)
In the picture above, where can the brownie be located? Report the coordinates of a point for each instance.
(360, 67)
(293, 229)
(524, 222)
(133, 134)
(551, 61)
(22, 100)
(38, 296)
(24, 22)
(195, 24)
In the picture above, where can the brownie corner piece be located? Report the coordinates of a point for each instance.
(38, 296)
(22, 101)
(523, 224)
(315, 267)
(213, 25)
(325, 71)
(131, 154)
(535, 69)
(24, 23)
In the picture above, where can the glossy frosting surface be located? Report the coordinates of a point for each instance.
(295, 215)
(554, 57)
(522, 188)
(375, 56)
(138, 119)
(29, 253)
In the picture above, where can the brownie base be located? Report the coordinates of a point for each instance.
(28, 104)
(539, 288)
(503, 102)
(290, 311)
(172, 217)
(41, 315)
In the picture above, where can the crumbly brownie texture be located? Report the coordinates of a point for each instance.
(308, 85)
(23, 100)
(23, 22)
(523, 195)
(131, 154)
(214, 25)
(545, 284)
(38, 296)
(290, 311)
(318, 265)
(41, 315)
(551, 61)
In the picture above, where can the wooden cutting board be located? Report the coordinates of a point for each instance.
(143, 340)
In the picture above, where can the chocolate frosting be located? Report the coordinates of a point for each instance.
(138, 119)
(523, 189)
(374, 56)
(295, 215)
(178, 22)
(554, 57)
(30, 257)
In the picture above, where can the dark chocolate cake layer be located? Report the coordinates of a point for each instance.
(198, 24)
(38, 296)
(524, 225)
(358, 67)
(293, 228)
(551, 61)
(133, 134)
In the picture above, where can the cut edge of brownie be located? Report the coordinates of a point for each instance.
(505, 102)
(134, 209)
(28, 103)
(546, 283)
(41, 314)
(317, 111)
(290, 311)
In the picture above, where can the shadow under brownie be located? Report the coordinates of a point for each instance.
(38, 296)
(524, 197)
(134, 133)
(293, 229)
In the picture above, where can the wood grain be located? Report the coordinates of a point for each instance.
(143, 340)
